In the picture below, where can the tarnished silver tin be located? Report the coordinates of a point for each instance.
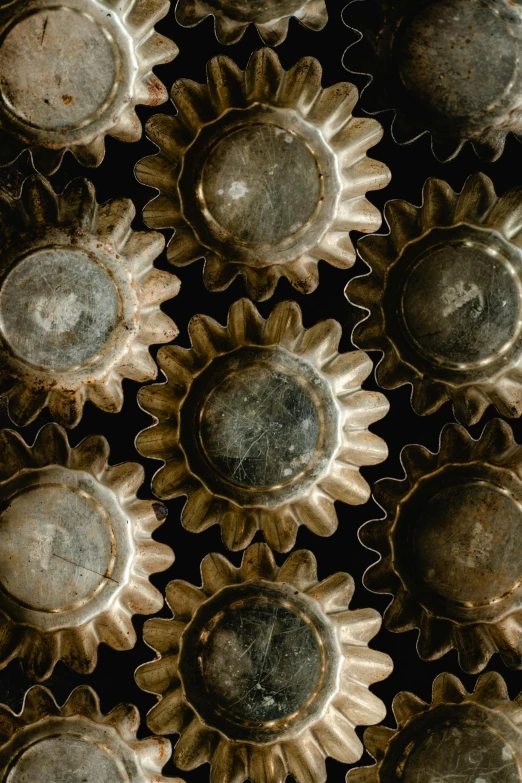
(263, 670)
(262, 172)
(445, 299)
(77, 742)
(72, 72)
(451, 546)
(79, 301)
(450, 67)
(76, 551)
(466, 737)
(263, 425)
(271, 17)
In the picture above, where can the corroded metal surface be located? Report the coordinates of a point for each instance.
(450, 67)
(451, 547)
(79, 301)
(271, 17)
(445, 299)
(77, 742)
(264, 668)
(70, 73)
(76, 551)
(263, 173)
(469, 737)
(263, 424)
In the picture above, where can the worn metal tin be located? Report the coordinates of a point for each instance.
(451, 547)
(263, 670)
(76, 551)
(77, 742)
(450, 67)
(79, 301)
(263, 425)
(445, 299)
(469, 737)
(271, 17)
(72, 72)
(262, 172)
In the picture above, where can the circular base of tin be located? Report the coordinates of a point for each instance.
(258, 11)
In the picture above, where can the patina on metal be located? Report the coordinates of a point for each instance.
(72, 72)
(264, 669)
(469, 737)
(77, 742)
(263, 173)
(445, 299)
(450, 67)
(79, 301)
(263, 425)
(271, 17)
(451, 547)
(76, 551)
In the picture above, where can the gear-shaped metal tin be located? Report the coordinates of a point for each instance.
(464, 736)
(263, 424)
(271, 17)
(73, 72)
(263, 173)
(77, 741)
(79, 301)
(449, 67)
(263, 670)
(76, 551)
(450, 547)
(445, 299)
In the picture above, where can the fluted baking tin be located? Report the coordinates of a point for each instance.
(76, 551)
(263, 670)
(262, 172)
(263, 424)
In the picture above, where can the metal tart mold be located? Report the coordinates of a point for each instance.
(73, 72)
(444, 297)
(263, 425)
(79, 301)
(76, 551)
(264, 671)
(468, 736)
(262, 173)
(449, 547)
(271, 18)
(447, 67)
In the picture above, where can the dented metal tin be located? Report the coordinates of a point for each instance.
(72, 72)
(263, 668)
(263, 425)
(445, 299)
(449, 67)
(271, 17)
(76, 551)
(79, 301)
(470, 737)
(451, 547)
(78, 742)
(263, 173)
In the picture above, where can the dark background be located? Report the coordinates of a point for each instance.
(411, 165)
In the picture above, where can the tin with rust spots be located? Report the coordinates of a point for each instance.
(449, 67)
(264, 668)
(263, 425)
(444, 297)
(79, 301)
(473, 737)
(77, 741)
(271, 17)
(450, 547)
(262, 173)
(76, 552)
(70, 73)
